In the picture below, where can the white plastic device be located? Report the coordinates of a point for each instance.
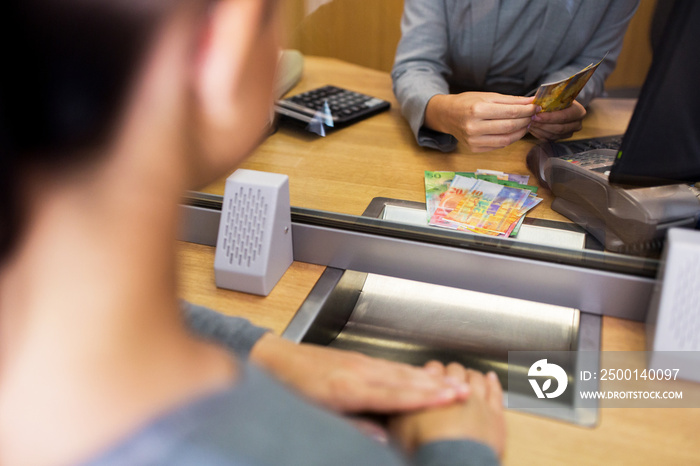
(673, 320)
(254, 245)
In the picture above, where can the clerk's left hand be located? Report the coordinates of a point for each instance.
(350, 382)
(561, 124)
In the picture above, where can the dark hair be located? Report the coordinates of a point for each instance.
(67, 65)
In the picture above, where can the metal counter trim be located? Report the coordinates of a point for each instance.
(590, 290)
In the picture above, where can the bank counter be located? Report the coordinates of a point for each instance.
(378, 158)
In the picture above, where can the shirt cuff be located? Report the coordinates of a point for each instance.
(455, 453)
(436, 140)
(234, 333)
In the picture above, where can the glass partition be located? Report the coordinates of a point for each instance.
(337, 178)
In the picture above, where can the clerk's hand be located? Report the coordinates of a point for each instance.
(482, 120)
(562, 124)
(351, 382)
(479, 418)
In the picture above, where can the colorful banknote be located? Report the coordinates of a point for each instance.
(486, 201)
(501, 176)
(459, 187)
(474, 205)
(436, 185)
(504, 211)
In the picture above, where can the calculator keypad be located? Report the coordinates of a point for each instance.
(345, 106)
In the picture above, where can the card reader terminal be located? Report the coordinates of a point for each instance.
(631, 221)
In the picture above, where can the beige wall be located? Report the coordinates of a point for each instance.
(366, 32)
(635, 58)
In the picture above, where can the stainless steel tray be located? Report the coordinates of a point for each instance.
(414, 322)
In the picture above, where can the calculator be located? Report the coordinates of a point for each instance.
(327, 103)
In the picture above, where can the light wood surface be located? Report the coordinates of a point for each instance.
(379, 157)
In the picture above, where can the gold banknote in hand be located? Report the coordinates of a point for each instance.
(561, 94)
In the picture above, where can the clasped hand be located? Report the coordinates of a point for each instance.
(429, 403)
(486, 120)
(350, 382)
(562, 124)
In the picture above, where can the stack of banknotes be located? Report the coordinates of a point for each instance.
(486, 201)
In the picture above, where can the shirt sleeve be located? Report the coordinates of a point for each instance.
(455, 453)
(235, 333)
(608, 39)
(420, 68)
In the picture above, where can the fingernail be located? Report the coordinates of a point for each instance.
(492, 375)
(462, 389)
(452, 380)
(538, 109)
(458, 386)
(376, 432)
(447, 394)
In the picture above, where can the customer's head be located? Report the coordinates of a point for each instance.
(80, 76)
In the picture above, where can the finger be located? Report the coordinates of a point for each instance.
(508, 99)
(458, 383)
(555, 131)
(370, 428)
(456, 372)
(477, 384)
(431, 378)
(573, 113)
(540, 134)
(497, 127)
(457, 376)
(383, 399)
(391, 386)
(547, 134)
(502, 111)
(404, 375)
(559, 128)
(435, 367)
(490, 142)
(390, 373)
(495, 391)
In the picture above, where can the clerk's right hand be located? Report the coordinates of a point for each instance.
(479, 418)
(483, 120)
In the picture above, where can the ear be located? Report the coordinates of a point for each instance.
(233, 83)
(227, 39)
